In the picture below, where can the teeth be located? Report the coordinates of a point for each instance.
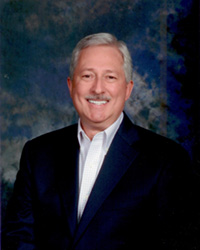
(97, 102)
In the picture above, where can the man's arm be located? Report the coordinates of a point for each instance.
(176, 196)
(18, 231)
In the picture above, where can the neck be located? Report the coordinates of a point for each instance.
(91, 131)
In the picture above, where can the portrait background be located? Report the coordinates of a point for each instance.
(37, 38)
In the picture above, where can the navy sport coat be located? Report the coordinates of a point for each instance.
(140, 200)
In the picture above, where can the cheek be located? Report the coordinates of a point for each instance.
(78, 93)
(119, 93)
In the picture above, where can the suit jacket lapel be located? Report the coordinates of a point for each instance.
(67, 176)
(120, 156)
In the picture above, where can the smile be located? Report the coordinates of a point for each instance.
(99, 102)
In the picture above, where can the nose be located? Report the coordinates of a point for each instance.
(98, 86)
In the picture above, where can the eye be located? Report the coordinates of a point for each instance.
(111, 78)
(87, 76)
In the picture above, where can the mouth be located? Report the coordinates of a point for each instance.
(98, 102)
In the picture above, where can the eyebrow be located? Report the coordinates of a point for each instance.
(87, 69)
(92, 69)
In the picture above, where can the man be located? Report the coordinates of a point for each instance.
(105, 183)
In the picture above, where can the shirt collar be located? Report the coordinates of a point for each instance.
(109, 133)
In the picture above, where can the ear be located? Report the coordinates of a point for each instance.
(129, 89)
(69, 83)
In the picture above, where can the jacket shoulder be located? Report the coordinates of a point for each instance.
(55, 137)
(157, 141)
(144, 139)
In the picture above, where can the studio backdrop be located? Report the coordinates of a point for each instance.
(37, 38)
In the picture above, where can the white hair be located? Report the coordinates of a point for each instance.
(103, 39)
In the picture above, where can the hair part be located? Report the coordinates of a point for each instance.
(103, 39)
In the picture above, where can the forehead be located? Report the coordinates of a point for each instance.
(100, 54)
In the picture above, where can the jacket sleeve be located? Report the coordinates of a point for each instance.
(18, 231)
(177, 209)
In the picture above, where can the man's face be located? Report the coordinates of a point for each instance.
(99, 89)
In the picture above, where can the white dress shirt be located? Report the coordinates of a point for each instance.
(91, 156)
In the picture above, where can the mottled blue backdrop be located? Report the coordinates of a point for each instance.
(37, 38)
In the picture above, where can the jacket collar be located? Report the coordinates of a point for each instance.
(120, 156)
(66, 174)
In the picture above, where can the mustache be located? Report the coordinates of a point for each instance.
(98, 97)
